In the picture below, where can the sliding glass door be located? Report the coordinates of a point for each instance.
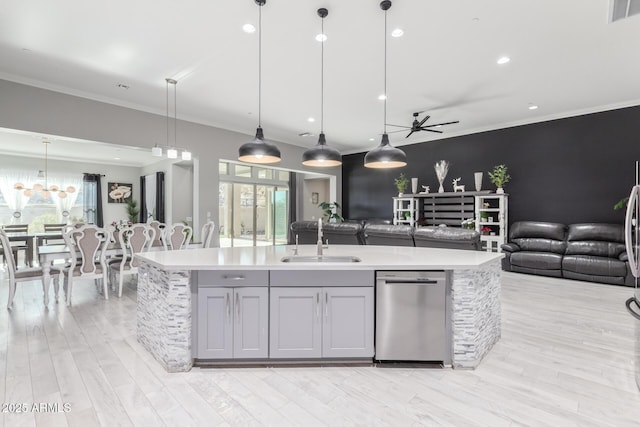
(252, 213)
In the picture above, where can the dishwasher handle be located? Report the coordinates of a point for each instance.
(416, 281)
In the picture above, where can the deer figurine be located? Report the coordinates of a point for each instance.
(426, 189)
(457, 187)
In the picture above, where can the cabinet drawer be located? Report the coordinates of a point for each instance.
(306, 278)
(233, 278)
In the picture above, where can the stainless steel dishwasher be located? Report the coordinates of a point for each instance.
(411, 316)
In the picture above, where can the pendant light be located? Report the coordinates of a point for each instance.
(258, 150)
(46, 189)
(172, 153)
(322, 155)
(385, 156)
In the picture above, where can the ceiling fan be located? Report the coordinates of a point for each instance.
(418, 126)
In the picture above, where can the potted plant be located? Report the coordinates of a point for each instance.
(331, 212)
(485, 230)
(401, 183)
(469, 224)
(499, 177)
(132, 210)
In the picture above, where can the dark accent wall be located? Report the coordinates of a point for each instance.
(567, 170)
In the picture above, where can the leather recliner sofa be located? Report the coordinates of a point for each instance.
(592, 252)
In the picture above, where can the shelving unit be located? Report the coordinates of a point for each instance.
(492, 212)
(402, 206)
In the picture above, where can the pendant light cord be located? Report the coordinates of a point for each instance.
(175, 114)
(167, 96)
(46, 165)
(322, 79)
(260, 67)
(385, 71)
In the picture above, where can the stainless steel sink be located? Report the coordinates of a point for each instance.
(320, 258)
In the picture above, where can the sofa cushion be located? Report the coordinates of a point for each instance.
(602, 240)
(594, 248)
(539, 230)
(594, 265)
(447, 237)
(596, 231)
(389, 235)
(533, 244)
(536, 260)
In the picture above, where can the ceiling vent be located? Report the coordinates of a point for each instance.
(621, 9)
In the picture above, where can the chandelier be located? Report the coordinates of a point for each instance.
(46, 189)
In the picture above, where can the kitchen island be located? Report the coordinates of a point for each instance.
(168, 293)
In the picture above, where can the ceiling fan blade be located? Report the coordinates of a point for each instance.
(441, 124)
(398, 126)
(432, 130)
(409, 134)
(423, 120)
(396, 131)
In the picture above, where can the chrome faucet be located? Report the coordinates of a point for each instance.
(319, 244)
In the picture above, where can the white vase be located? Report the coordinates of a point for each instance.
(478, 178)
(441, 189)
(414, 185)
(500, 190)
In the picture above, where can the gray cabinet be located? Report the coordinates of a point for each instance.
(233, 322)
(315, 322)
(295, 323)
(347, 328)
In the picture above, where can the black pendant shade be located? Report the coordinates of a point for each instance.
(259, 150)
(321, 155)
(384, 156)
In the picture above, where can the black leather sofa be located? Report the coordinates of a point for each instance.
(377, 233)
(592, 252)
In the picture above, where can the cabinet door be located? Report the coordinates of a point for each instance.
(215, 326)
(347, 322)
(295, 323)
(251, 317)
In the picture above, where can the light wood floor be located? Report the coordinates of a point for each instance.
(565, 358)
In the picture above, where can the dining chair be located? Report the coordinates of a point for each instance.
(22, 275)
(207, 233)
(158, 228)
(177, 236)
(87, 246)
(18, 243)
(134, 239)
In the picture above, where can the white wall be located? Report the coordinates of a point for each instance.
(33, 109)
(310, 210)
(112, 173)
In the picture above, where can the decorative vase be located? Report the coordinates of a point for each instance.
(478, 179)
(400, 194)
(500, 190)
(414, 185)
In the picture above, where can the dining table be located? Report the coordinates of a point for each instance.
(33, 240)
(49, 253)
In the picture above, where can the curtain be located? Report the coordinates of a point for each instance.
(92, 199)
(16, 200)
(63, 206)
(293, 201)
(143, 201)
(160, 196)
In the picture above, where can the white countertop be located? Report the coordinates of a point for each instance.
(269, 257)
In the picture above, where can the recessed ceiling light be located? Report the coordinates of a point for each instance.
(382, 97)
(248, 28)
(116, 158)
(311, 120)
(503, 60)
(372, 139)
(533, 107)
(321, 37)
(398, 32)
